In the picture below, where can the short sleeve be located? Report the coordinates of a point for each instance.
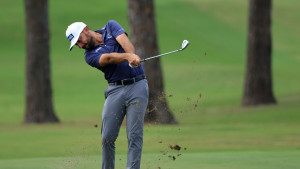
(92, 58)
(116, 28)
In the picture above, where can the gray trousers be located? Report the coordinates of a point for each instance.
(130, 100)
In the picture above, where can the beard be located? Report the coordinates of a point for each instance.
(90, 43)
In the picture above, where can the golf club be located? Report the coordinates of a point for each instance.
(184, 44)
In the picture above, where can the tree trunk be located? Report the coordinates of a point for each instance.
(258, 83)
(39, 107)
(144, 38)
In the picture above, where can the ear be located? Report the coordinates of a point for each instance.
(86, 30)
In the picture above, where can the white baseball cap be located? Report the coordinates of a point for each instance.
(73, 32)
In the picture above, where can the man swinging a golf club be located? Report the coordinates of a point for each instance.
(110, 51)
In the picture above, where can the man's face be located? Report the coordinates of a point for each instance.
(85, 41)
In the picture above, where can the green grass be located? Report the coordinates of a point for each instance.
(204, 82)
(213, 129)
(211, 160)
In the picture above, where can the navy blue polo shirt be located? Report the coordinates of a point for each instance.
(112, 72)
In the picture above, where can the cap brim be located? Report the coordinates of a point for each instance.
(74, 41)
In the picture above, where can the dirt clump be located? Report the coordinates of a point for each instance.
(175, 147)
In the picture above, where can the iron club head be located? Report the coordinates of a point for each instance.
(185, 43)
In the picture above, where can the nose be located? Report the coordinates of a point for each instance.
(79, 44)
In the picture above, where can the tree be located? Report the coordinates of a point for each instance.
(258, 82)
(144, 38)
(39, 107)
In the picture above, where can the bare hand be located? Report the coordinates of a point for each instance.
(134, 60)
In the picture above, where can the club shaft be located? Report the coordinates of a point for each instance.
(143, 60)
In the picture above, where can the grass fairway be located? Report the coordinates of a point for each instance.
(210, 160)
(204, 84)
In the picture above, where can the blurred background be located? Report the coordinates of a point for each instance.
(203, 84)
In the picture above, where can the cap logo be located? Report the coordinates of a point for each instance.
(70, 37)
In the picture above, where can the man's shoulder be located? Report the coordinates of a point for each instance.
(109, 24)
(96, 50)
(112, 22)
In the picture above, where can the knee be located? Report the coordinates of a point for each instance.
(108, 139)
(135, 139)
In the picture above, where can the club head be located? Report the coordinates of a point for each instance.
(185, 43)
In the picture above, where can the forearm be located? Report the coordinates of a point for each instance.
(128, 47)
(116, 58)
(125, 43)
(113, 58)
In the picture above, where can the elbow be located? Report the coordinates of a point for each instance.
(104, 60)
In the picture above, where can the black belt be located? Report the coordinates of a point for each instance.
(128, 81)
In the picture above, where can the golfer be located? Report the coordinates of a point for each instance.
(109, 50)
